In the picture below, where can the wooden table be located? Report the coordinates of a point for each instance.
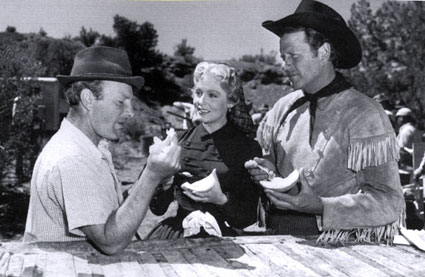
(242, 256)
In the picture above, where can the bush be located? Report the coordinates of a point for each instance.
(18, 95)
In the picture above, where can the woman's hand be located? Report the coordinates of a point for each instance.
(214, 195)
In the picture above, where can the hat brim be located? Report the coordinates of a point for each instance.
(346, 44)
(135, 81)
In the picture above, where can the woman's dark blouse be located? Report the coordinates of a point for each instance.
(227, 150)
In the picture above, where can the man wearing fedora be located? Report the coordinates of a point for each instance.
(340, 139)
(75, 193)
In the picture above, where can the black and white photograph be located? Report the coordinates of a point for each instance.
(212, 138)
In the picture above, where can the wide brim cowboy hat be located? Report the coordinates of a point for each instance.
(325, 20)
(101, 63)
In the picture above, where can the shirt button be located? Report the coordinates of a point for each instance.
(187, 143)
(186, 159)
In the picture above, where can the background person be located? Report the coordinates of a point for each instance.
(341, 139)
(407, 135)
(75, 193)
(220, 142)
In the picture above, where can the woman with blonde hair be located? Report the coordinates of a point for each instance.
(219, 145)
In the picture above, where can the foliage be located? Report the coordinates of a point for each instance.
(259, 71)
(18, 98)
(88, 38)
(56, 56)
(393, 54)
(139, 40)
(269, 59)
(11, 29)
(183, 49)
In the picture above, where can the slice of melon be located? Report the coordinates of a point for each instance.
(204, 184)
(158, 144)
(282, 184)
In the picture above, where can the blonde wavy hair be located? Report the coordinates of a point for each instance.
(230, 82)
(226, 76)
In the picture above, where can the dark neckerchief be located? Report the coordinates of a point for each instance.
(337, 85)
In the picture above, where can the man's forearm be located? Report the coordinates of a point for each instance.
(122, 224)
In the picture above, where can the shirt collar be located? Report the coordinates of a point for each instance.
(79, 138)
(226, 130)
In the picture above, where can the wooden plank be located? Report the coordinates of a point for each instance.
(199, 267)
(411, 249)
(180, 265)
(309, 259)
(162, 261)
(149, 265)
(81, 265)
(40, 264)
(95, 265)
(345, 262)
(279, 262)
(15, 265)
(4, 262)
(395, 255)
(111, 266)
(257, 239)
(231, 254)
(247, 261)
(130, 266)
(59, 264)
(375, 258)
(29, 265)
(214, 262)
(77, 247)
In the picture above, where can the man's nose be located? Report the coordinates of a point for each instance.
(129, 112)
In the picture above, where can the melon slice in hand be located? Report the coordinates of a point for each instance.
(204, 184)
(159, 145)
(282, 184)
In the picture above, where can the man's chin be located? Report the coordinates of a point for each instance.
(115, 137)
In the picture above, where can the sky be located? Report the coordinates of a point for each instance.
(218, 29)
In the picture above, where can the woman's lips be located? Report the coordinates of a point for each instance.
(202, 111)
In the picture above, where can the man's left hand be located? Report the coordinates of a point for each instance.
(306, 200)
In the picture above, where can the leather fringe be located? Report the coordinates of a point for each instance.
(372, 151)
(380, 234)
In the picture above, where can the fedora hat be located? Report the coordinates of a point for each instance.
(101, 63)
(325, 20)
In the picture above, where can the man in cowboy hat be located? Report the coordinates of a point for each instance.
(75, 193)
(340, 139)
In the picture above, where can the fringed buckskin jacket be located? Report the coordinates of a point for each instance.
(350, 162)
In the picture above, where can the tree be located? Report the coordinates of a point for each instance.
(393, 54)
(55, 55)
(11, 29)
(139, 41)
(42, 32)
(18, 98)
(183, 49)
(88, 38)
(269, 59)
